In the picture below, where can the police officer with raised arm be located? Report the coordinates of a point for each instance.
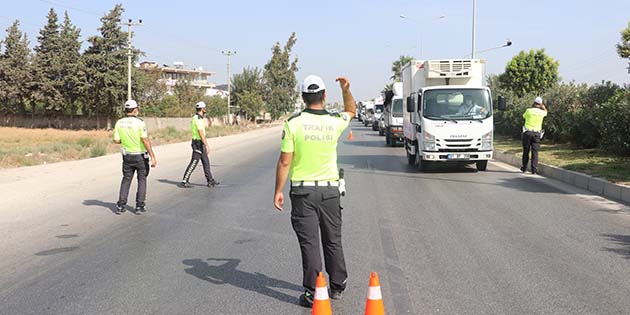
(131, 133)
(200, 148)
(309, 154)
(532, 133)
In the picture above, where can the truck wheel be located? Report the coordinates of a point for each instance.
(482, 165)
(411, 159)
(422, 165)
(392, 141)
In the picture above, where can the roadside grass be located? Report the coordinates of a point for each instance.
(27, 147)
(595, 162)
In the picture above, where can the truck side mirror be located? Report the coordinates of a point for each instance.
(409, 104)
(502, 103)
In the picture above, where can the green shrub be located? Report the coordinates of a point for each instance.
(99, 149)
(615, 123)
(85, 142)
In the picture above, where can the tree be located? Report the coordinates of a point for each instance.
(387, 87)
(149, 91)
(73, 76)
(251, 103)
(48, 66)
(216, 105)
(623, 48)
(397, 66)
(106, 66)
(250, 80)
(530, 72)
(188, 95)
(279, 78)
(15, 71)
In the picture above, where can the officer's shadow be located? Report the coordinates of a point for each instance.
(227, 273)
(108, 205)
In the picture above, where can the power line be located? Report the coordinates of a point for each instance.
(71, 7)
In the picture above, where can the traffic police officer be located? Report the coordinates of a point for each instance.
(309, 153)
(200, 148)
(532, 133)
(131, 133)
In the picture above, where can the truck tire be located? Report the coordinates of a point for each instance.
(411, 159)
(482, 165)
(422, 165)
(392, 141)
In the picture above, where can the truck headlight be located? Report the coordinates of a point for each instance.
(428, 142)
(486, 142)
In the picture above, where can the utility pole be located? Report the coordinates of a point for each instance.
(474, 28)
(229, 54)
(129, 24)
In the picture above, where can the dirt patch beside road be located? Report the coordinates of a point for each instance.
(27, 147)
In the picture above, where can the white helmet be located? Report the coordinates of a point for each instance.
(200, 105)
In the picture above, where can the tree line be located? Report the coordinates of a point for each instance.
(586, 116)
(57, 77)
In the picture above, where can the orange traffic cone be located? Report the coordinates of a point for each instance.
(374, 304)
(321, 302)
(350, 135)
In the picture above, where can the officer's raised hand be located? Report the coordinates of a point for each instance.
(344, 84)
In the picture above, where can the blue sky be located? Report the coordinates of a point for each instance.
(354, 38)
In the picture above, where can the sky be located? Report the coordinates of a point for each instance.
(354, 38)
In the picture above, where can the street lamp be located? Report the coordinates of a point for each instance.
(130, 23)
(507, 44)
(474, 28)
(229, 54)
(404, 17)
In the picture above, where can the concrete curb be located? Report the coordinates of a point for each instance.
(595, 185)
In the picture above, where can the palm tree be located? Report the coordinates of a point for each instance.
(397, 67)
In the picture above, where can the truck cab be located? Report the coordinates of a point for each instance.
(393, 116)
(378, 113)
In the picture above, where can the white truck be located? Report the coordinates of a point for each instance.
(448, 116)
(368, 106)
(393, 115)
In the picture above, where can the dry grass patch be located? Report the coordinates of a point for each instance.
(26, 147)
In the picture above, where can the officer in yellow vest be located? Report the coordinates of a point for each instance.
(309, 154)
(200, 148)
(532, 133)
(131, 133)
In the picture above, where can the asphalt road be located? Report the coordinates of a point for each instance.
(449, 241)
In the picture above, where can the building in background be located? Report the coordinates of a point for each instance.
(171, 75)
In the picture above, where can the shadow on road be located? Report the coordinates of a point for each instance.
(396, 166)
(108, 205)
(377, 144)
(176, 183)
(393, 163)
(227, 273)
(623, 243)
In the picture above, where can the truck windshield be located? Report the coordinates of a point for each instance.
(456, 104)
(378, 108)
(397, 108)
